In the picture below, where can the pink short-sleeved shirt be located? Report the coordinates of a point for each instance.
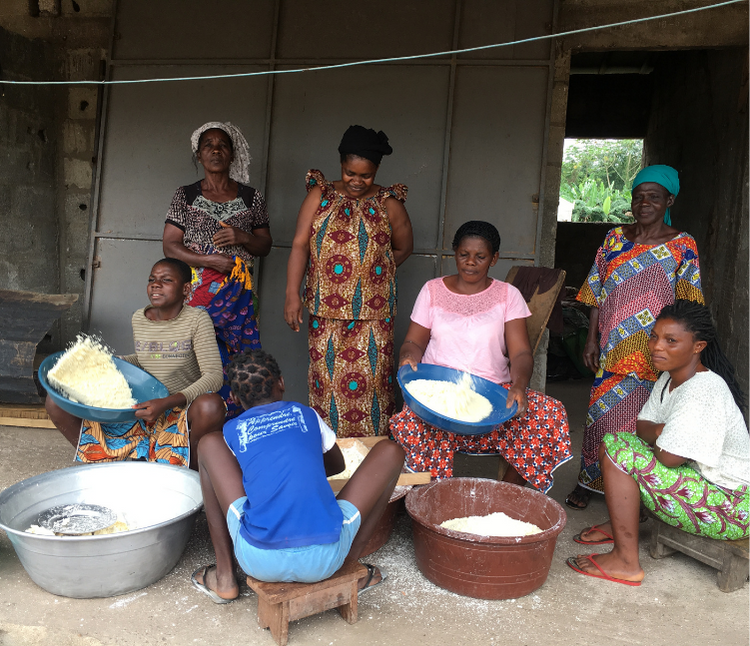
(467, 331)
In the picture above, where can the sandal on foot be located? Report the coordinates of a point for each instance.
(204, 588)
(573, 565)
(578, 498)
(610, 539)
(371, 571)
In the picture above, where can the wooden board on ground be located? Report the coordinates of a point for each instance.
(26, 416)
(405, 479)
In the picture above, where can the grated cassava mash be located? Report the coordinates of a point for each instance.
(455, 400)
(86, 373)
(497, 524)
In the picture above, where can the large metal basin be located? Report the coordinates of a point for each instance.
(161, 500)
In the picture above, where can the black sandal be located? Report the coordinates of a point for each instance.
(578, 498)
(371, 571)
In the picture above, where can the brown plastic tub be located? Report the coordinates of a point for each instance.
(387, 521)
(486, 567)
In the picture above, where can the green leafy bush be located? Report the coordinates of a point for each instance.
(597, 175)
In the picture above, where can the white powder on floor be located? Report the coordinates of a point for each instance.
(86, 373)
(455, 400)
(497, 524)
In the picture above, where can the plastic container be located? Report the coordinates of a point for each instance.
(387, 521)
(143, 385)
(485, 567)
(496, 394)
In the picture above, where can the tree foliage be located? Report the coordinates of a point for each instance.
(597, 175)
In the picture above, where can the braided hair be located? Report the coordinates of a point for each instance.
(478, 229)
(252, 375)
(182, 268)
(696, 318)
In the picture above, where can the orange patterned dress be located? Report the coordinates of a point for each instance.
(351, 294)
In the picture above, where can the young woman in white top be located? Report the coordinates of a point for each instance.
(690, 460)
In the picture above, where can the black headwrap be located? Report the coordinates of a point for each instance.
(364, 142)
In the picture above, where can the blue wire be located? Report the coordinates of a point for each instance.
(378, 60)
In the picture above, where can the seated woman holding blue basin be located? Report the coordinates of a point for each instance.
(165, 429)
(474, 323)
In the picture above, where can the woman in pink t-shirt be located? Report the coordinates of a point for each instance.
(471, 322)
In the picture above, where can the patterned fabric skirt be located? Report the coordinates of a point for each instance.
(350, 376)
(230, 302)
(165, 441)
(614, 405)
(534, 445)
(681, 496)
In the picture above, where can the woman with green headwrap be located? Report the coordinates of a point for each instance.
(639, 269)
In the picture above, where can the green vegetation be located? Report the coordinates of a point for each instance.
(597, 175)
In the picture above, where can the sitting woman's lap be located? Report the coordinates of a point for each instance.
(307, 564)
(535, 444)
(166, 440)
(680, 496)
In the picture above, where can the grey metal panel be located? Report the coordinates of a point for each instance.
(193, 29)
(412, 275)
(311, 112)
(289, 348)
(364, 29)
(496, 152)
(147, 153)
(119, 288)
(487, 22)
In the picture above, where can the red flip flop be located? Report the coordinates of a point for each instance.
(574, 566)
(609, 539)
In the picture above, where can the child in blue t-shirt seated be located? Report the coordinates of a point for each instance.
(265, 491)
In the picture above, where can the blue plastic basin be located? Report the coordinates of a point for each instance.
(143, 385)
(496, 394)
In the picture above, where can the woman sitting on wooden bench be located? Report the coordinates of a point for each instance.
(690, 460)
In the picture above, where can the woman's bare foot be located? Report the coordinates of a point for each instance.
(373, 577)
(226, 588)
(596, 534)
(612, 564)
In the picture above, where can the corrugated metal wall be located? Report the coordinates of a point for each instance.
(468, 131)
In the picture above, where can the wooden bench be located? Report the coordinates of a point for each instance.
(280, 603)
(729, 557)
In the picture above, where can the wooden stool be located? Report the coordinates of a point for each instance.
(280, 603)
(729, 557)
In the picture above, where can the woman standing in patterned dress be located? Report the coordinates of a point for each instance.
(639, 269)
(351, 235)
(218, 225)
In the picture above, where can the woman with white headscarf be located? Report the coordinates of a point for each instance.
(218, 225)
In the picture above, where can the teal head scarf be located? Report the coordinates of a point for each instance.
(665, 176)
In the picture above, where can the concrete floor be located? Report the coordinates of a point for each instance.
(678, 602)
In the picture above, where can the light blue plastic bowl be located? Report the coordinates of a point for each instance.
(496, 394)
(143, 385)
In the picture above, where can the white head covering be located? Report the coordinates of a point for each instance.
(238, 170)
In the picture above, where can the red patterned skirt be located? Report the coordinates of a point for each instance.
(534, 445)
(350, 377)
